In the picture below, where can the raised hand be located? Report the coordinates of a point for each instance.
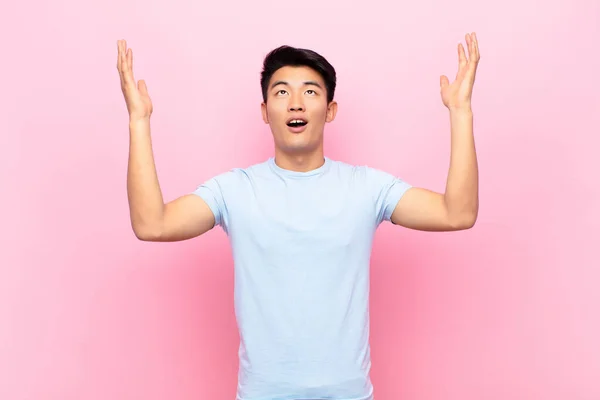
(137, 99)
(457, 95)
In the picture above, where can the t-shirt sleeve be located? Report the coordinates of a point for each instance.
(386, 190)
(213, 192)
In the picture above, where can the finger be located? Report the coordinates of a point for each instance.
(476, 47)
(122, 61)
(469, 46)
(462, 59)
(119, 55)
(142, 87)
(474, 61)
(127, 79)
(444, 81)
(130, 64)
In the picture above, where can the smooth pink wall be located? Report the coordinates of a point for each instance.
(507, 310)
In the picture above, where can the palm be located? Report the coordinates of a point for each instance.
(136, 96)
(458, 93)
(140, 100)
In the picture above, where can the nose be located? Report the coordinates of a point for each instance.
(296, 104)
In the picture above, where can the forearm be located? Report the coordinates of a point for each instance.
(146, 204)
(461, 196)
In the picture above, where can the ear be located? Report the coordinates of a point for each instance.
(331, 111)
(263, 109)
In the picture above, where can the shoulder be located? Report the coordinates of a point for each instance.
(362, 172)
(237, 175)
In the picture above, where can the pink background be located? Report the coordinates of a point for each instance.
(507, 310)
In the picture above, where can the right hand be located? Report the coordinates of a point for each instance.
(136, 96)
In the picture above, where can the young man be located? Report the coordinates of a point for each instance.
(301, 225)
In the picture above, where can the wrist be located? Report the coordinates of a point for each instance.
(461, 111)
(138, 120)
(139, 125)
(135, 122)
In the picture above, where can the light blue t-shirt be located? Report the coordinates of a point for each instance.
(301, 244)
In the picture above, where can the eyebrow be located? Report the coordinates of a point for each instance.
(306, 83)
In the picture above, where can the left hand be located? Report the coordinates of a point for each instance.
(457, 95)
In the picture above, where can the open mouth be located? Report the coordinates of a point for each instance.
(296, 123)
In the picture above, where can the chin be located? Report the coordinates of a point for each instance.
(297, 148)
(299, 145)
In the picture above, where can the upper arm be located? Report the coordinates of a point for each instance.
(184, 218)
(425, 210)
(384, 191)
(411, 207)
(196, 213)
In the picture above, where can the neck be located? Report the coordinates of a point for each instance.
(300, 162)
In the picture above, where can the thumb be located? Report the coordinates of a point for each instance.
(444, 81)
(142, 87)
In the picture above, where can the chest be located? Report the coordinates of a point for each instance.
(302, 217)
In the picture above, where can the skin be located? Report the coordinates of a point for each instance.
(300, 92)
(151, 219)
(458, 206)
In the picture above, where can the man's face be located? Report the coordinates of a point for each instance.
(297, 109)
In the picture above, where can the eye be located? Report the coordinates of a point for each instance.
(280, 92)
(311, 92)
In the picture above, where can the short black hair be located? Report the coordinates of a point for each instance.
(284, 56)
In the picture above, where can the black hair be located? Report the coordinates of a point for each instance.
(284, 56)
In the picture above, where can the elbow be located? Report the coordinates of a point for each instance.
(465, 221)
(461, 213)
(469, 221)
(146, 233)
